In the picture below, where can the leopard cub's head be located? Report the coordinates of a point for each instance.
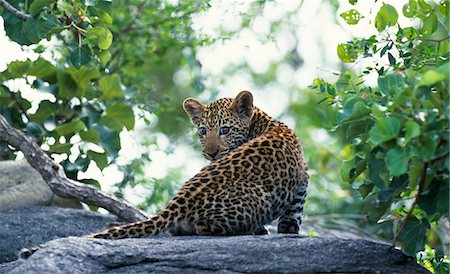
(223, 124)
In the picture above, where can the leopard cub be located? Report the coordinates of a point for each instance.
(257, 175)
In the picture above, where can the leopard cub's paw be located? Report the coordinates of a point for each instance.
(288, 227)
(262, 231)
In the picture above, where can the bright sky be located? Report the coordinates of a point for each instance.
(313, 33)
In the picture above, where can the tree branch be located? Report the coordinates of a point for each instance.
(17, 13)
(423, 176)
(54, 175)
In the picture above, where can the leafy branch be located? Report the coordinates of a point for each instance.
(423, 177)
(17, 13)
(56, 179)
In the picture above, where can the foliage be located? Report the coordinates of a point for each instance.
(398, 130)
(92, 73)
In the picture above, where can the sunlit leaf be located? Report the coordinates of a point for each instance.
(352, 16)
(386, 16)
(343, 51)
(110, 86)
(424, 6)
(431, 77)
(104, 56)
(90, 136)
(409, 10)
(430, 24)
(70, 128)
(103, 35)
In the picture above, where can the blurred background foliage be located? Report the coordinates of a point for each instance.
(99, 86)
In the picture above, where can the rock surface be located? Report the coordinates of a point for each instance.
(239, 254)
(27, 227)
(22, 186)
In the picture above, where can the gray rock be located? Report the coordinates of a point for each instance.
(27, 227)
(22, 186)
(239, 254)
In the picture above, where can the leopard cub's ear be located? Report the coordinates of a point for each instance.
(194, 109)
(243, 104)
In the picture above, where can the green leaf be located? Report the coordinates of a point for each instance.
(391, 58)
(49, 24)
(80, 56)
(409, 10)
(84, 75)
(386, 16)
(99, 158)
(16, 30)
(344, 171)
(103, 36)
(101, 18)
(391, 83)
(70, 128)
(424, 6)
(354, 109)
(375, 212)
(111, 122)
(90, 136)
(43, 69)
(109, 140)
(110, 86)
(435, 198)
(37, 5)
(17, 69)
(104, 56)
(412, 236)
(35, 130)
(427, 148)
(45, 110)
(365, 189)
(31, 30)
(431, 77)
(122, 113)
(91, 182)
(90, 113)
(387, 47)
(352, 2)
(412, 130)
(396, 161)
(385, 129)
(443, 7)
(61, 148)
(430, 24)
(344, 54)
(82, 163)
(67, 86)
(352, 16)
(377, 172)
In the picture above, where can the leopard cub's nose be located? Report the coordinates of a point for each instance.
(212, 154)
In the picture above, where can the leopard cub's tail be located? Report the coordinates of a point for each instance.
(153, 226)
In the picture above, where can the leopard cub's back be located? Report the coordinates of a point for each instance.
(257, 174)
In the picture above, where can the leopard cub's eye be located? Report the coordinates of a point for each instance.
(201, 131)
(224, 130)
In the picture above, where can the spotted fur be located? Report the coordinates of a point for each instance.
(257, 175)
